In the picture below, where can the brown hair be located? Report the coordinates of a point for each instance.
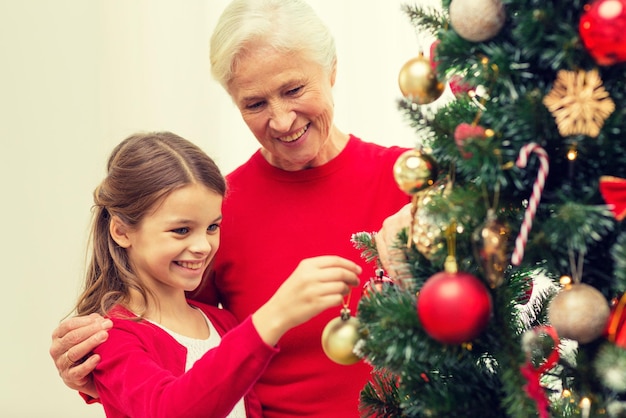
(142, 170)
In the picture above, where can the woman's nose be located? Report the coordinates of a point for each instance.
(282, 118)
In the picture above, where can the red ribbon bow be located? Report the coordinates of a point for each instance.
(613, 190)
(533, 388)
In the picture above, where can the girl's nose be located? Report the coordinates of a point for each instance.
(202, 244)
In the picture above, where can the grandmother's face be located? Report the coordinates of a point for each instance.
(286, 101)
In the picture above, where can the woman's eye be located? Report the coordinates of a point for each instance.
(254, 105)
(294, 91)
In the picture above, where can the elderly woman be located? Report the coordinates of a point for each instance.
(303, 194)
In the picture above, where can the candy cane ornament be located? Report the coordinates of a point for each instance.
(535, 197)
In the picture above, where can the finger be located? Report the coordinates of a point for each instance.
(329, 301)
(336, 288)
(75, 322)
(79, 377)
(76, 354)
(81, 372)
(339, 274)
(328, 261)
(85, 338)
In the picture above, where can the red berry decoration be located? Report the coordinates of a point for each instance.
(601, 28)
(456, 82)
(465, 132)
(454, 307)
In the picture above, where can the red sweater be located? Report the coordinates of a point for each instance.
(142, 372)
(272, 220)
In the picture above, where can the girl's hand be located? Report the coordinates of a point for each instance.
(317, 284)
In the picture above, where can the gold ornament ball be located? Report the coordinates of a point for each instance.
(418, 81)
(339, 339)
(579, 312)
(490, 241)
(414, 171)
(477, 20)
(428, 235)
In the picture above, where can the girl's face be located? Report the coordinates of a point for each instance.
(174, 243)
(286, 101)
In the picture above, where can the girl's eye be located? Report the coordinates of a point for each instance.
(180, 231)
(213, 227)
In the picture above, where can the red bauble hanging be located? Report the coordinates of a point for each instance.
(377, 284)
(601, 29)
(454, 307)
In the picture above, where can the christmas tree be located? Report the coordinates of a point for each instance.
(517, 182)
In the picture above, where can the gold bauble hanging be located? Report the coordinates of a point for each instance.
(339, 338)
(490, 249)
(414, 171)
(426, 233)
(418, 81)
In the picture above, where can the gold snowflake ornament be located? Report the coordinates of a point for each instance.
(579, 102)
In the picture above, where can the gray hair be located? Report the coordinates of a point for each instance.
(286, 26)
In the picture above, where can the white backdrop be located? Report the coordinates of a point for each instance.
(76, 77)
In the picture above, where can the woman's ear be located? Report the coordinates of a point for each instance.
(119, 232)
(333, 73)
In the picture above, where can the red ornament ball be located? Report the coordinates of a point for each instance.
(376, 285)
(601, 29)
(454, 307)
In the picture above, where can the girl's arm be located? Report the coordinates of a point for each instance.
(141, 373)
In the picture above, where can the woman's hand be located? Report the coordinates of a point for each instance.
(387, 242)
(317, 284)
(72, 342)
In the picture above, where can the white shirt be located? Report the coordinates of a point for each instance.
(196, 349)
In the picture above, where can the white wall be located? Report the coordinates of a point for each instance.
(76, 77)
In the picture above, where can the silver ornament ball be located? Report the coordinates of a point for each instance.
(477, 20)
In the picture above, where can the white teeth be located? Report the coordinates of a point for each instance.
(189, 265)
(295, 135)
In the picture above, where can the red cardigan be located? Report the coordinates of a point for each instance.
(142, 372)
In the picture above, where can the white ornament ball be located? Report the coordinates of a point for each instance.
(477, 20)
(579, 312)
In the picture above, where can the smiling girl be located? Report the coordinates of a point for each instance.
(156, 229)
